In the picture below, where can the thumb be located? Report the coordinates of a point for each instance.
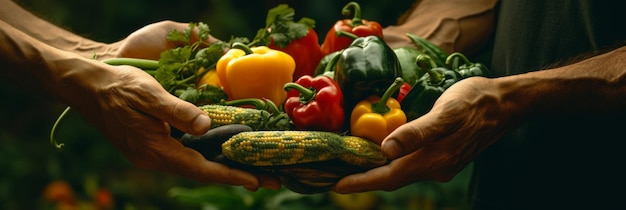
(188, 118)
(181, 114)
(407, 138)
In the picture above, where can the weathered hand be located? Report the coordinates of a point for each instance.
(149, 41)
(136, 115)
(465, 120)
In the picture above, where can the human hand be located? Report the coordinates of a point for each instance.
(149, 41)
(150, 111)
(465, 120)
(136, 115)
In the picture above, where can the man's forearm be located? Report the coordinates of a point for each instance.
(594, 85)
(462, 26)
(46, 32)
(30, 64)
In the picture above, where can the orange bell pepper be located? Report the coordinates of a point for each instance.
(376, 117)
(256, 72)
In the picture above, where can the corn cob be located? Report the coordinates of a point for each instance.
(276, 148)
(255, 118)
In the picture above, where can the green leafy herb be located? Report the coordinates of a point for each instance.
(179, 67)
(281, 27)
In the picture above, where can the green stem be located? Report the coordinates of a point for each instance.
(306, 94)
(151, 72)
(272, 107)
(53, 140)
(242, 46)
(381, 107)
(341, 33)
(434, 76)
(458, 54)
(257, 103)
(356, 19)
(136, 62)
(333, 61)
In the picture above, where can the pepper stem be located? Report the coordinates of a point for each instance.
(341, 33)
(458, 54)
(434, 76)
(333, 61)
(257, 103)
(356, 19)
(260, 104)
(242, 46)
(306, 94)
(381, 107)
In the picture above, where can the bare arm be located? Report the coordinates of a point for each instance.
(455, 25)
(46, 32)
(475, 112)
(127, 105)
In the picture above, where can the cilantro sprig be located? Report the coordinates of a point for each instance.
(281, 27)
(180, 67)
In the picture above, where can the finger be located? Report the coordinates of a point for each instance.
(269, 182)
(156, 101)
(190, 163)
(180, 114)
(389, 177)
(409, 137)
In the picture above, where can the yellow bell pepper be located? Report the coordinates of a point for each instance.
(255, 72)
(376, 117)
(209, 78)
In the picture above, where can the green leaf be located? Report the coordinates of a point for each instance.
(176, 55)
(281, 27)
(190, 95)
(208, 94)
(203, 31)
(208, 57)
(279, 13)
(166, 76)
(175, 35)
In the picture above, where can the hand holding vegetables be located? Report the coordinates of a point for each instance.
(127, 105)
(462, 123)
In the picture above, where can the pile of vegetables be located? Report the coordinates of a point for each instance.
(349, 91)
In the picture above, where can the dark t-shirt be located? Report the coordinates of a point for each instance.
(568, 162)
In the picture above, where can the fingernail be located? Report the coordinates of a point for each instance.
(201, 124)
(391, 148)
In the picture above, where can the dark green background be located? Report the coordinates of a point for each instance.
(28, 162)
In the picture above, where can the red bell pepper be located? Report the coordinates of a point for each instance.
(306, 52)
(315, 103)
(404, 89)
(297, 39)
(356, 25)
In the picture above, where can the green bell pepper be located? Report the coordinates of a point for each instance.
(411, 72)
(437, 54)
(420, 99)
(365, 68)
(321, 67)
(468, 69)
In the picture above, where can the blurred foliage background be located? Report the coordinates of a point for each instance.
(92, 175)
